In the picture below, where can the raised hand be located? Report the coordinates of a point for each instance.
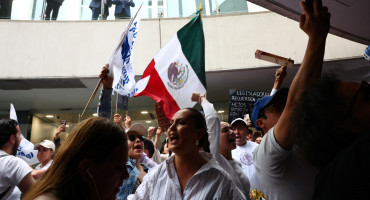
(316, 22)
(107, 81)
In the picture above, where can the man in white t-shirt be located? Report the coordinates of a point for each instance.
(244, 149)
(13, 171)
(281, 171)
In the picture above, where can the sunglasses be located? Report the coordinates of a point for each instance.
(133, 137)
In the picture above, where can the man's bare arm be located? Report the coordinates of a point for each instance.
(315, 24)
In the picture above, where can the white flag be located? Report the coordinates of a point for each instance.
(25, 149)
(120, 62)
(13, 114)
(26, 152)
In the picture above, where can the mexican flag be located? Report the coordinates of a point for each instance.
(177, 70)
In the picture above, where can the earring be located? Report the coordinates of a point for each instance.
(196, 142)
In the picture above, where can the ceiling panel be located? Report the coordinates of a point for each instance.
(349, 18)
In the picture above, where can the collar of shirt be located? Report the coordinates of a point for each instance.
(212, 163)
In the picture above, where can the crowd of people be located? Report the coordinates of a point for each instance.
(122, 9)
(301, 149)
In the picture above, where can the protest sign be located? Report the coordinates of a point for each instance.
(241, 102)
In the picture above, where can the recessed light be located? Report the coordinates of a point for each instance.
(144, 112)
(95, 114)
(148, 122)
(49, 116)
(220, 111)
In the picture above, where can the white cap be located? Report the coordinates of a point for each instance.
(138, 128)
(239, 120)
(47, 144)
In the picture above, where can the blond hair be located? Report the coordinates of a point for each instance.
(94, 138)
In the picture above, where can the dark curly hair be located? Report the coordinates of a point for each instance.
(7, 128)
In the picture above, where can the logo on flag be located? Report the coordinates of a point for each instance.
(178, 75)
(180, 61)
(120, 64)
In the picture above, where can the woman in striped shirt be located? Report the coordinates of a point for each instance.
(189, 174)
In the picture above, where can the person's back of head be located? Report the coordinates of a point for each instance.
(148, 148)
(9, 137)
(7, 128)
(91, 142)
(257, 134)
(322, 132)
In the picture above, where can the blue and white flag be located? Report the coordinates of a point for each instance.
(25, 149)
(26, 152)
(120, 63)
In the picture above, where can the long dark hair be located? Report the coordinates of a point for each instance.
(200, 123)
(93, 138)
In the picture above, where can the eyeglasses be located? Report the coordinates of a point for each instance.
(133, 137)
(365, 86)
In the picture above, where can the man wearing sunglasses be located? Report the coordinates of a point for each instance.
(135, 135)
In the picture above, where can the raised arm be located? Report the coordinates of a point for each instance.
(117, 119)
(213, 123)
(61, 128)
(157, 137)
(315, 24)
(280, 75)
(105, 99)
(128, 122)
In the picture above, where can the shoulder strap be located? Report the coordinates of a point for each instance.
(4, 193)
(3, 155)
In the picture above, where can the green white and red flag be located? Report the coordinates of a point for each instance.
(177, 70)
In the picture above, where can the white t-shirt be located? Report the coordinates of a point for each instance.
(244, 155)
(46, 167)
(12, 171)
(282, 174)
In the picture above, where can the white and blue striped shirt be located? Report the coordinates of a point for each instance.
(209, 182)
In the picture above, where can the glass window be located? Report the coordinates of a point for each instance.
(80, 10)
(160, 12)
(160, 2)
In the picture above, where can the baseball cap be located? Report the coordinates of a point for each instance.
(46, 143)
(282, 93)
(240, 120)
(138, 128)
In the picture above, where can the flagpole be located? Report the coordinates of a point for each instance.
(116, 101)
(160, 34)
(92, 96)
